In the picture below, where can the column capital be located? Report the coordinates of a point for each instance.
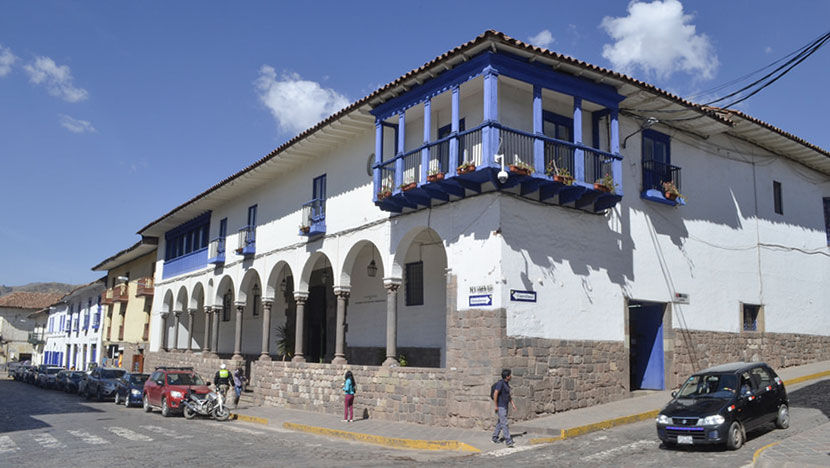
(392, 283)
(239, 304)
(300, 296)
(342, 291)
(192, 310)
(164, 315)
(177, 313)
(267, 300)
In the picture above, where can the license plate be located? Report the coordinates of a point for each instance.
(684, 439)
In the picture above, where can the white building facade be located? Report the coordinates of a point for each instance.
(502, 206)
(73, 330)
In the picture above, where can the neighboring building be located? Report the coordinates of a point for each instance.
(20, 335)
(73, 328)
(127, 302)
(576, 267)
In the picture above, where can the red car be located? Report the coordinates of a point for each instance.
(168, 386)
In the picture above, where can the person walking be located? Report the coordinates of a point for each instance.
(222, 380)
(501, 397)
(238, 384)
(349, 387)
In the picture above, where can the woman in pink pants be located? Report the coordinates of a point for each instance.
(349, 388)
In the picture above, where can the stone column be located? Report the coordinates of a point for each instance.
(266, 330)
(342, 294)
(300, 298)
(164, 316)
(237, 337)
(391, 285)
(214, 348)
(177, 314)
(206, 341)
(189, 348)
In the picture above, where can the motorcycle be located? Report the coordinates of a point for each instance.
(210, 404)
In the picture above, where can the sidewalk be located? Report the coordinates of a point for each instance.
(805, 450)
(542, 430)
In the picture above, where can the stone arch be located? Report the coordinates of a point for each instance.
(182, 300)
(225, 284)
(197, 296)
(167, 303)
(278, 273)
(310, 264)
(354, 252)
(250, 279)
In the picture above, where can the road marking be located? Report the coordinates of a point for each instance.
(617, 450)
(510, 450)
(88, 438)
(48, 441)
(7, 445)
(129, 434)
(169, 433)
(242, 430)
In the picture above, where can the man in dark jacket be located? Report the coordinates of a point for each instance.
(501, 397)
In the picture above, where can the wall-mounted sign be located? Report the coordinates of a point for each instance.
(681, 298)
(522, 296)
(481, 300)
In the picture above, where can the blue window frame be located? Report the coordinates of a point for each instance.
(189, 237)
(319, 190)
(557, 126)
(252, 215)
(656, 146)
(223, 228)
(657, 168)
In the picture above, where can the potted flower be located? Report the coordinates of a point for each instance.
(466, 167)
(670, 190)
(384, 192)
(521, 168)
(305, 229)
(606, 184)
(561, 175)
(435, 175)
(407, 186)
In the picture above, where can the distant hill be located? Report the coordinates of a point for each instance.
(61, 288)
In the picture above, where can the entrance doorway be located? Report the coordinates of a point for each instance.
(646, 361)
(316, 335)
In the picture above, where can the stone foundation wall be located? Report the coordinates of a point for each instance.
(696, 349)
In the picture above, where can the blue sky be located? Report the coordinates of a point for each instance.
(112, 113)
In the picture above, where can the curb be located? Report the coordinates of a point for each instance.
(757, 453)
(246, 418)
(607, 424)
(410, 444)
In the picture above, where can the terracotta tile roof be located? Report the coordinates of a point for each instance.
(29, 300)
(703, 111)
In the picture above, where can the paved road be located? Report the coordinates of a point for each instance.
(45, 428)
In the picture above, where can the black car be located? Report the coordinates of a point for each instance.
(101, 382)
(73, 378)
(129, 389)
(48, 378)
(721, 404)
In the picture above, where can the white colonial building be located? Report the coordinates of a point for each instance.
(501, 206)
(73, 329)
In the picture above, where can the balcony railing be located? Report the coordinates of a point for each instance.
(246, 244)
(532, 159)
(655, 176)
(313, 217)
(216, 251)
(106, 297)
(144, 287)
(120, 292)
(36, 338)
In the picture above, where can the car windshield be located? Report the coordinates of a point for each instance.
(112, 374)
(138, 379)
(184, 379)
(53, 371)
(709, 386)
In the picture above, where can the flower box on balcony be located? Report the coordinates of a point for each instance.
(466, 168)
(305, 229)
(521, 169)
(408, 186)
(601, 187)
(435, 177)
(384, 194)
(567, 180)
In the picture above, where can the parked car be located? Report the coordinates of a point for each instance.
(73, 378)
(100, 383)
(129, 389)
(82, 382)
(721, 404)
(32, 373)
(48, 376)
(20, 371)
(167, 386)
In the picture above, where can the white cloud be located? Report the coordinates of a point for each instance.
(543, 39)
(296, 104)
(56, 78)
(7, 59)
(658, 38)
(76, 125)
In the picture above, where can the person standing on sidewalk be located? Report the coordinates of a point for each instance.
(501, 397)
(349, 387)
(238, 384)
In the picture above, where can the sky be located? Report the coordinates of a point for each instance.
(113, 113)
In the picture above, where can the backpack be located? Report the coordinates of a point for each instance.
(493, 389)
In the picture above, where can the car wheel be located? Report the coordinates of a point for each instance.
(165, 410)
(117, 398)
(147, 407)
(783, 419)
(735, 436)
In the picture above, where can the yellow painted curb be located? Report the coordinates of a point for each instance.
(545, 440)
(805, 378)
(411, 444)
(758, 452)
(246, 418)
(598, 426)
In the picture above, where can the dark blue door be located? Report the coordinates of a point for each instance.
(646, 333)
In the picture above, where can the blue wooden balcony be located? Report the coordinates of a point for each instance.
(246, 245)
(658, 180)
(313, 218)
(216, 251)
(539, 167)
